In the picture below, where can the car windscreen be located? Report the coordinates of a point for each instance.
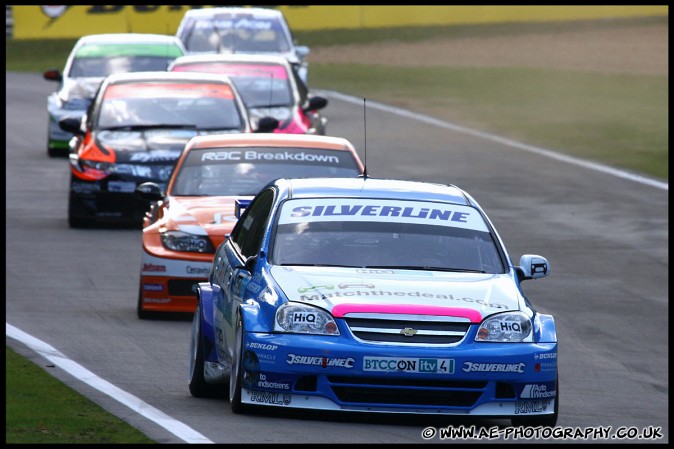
(244, 171)
(387, 234)
(237, 34)
(102, 60)
(203, 106)
(260, 85)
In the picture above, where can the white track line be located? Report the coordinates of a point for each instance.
(177, 428)
(512, 143)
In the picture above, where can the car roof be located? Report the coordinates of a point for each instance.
(231, 57)
(208, 12)
(167, 76)
(270, 140)
(365, 187)
(123, 38)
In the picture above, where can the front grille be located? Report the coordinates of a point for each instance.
(183, 287)
(409, 392)
(399, 329)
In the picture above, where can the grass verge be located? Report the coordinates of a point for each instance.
(41, 409)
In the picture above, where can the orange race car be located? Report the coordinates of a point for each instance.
(213, 176)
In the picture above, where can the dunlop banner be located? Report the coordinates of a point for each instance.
(73, 21)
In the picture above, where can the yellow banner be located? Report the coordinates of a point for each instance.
(73, 21)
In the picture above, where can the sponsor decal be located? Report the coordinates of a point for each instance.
(263, 346)
(545, 366)
(374, 271)
(408, 365)
(155, 155)
(157, 300)
(268, 156)
(377, 210)
(197, 271)
(528, 407)
(325, 362)
(537, 391)
(253, 287)
(153, 287)
(85, 187)
(267, 397)
(263, 383)
(315, 287)
(545, 355)
(472, 367)
(388, 293)
(300, 211)
(154, 268)
(355, 285)
(121, 186)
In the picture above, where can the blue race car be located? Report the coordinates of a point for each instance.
(427, 316)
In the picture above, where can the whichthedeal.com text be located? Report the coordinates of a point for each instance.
(542, 433)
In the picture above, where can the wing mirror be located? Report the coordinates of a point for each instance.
(148, 191)
(533, 267)
(267, 125)
(71, 125)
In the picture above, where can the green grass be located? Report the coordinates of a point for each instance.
(40, 409)
(618, 120)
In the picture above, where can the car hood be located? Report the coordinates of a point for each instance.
(79, 88)
(344, 290)
(147, 146)
(202, 215)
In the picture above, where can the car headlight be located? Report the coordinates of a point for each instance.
(184, 242)
(508, 327)
(303, 319)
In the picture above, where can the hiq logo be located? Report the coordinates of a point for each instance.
(511, 327)
(303, 317)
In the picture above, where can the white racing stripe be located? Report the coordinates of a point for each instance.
(177, 428)
(512, 143)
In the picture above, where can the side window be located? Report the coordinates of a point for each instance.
(248, 233)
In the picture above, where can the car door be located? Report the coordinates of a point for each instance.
(244, 243)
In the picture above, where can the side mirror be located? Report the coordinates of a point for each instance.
(148, 191)
(71, 125)
(250, 263)
(533, 267)
(267, 125)
(316, 103)
(302, 51)
(52, 75)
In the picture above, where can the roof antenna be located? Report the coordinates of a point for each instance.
(364, 141)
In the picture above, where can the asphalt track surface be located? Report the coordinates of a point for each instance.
(606, 238)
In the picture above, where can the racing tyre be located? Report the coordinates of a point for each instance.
(197, 383)
(236, 375)
(55, 152)
(541, 420)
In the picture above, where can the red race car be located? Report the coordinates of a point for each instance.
(269, 86)
(213, 176)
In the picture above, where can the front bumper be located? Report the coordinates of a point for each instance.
(169, 285)
(486, 379)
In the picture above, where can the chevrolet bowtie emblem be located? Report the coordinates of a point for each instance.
(408, 332)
